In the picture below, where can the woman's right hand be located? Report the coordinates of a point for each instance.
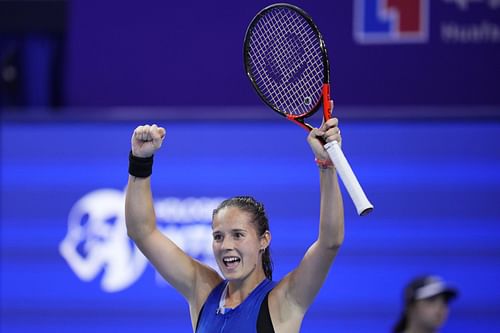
(146, 140)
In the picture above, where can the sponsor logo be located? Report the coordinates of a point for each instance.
(473, 22)
(391, 21)
(97, 246)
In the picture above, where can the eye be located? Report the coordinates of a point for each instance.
(238, 235)
(217, 237)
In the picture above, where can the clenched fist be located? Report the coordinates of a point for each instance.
(329, 131)
(146, 140)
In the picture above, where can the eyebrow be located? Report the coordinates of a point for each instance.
(232, 230)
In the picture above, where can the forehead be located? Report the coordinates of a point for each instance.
(435, 298)
(231, 218)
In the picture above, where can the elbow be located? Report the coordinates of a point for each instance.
(131, 234)
(335, 245)
(130, 226)
(139, 237)
(137, 232)
(332, 243)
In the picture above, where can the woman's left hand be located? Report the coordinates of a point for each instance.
(318, 137)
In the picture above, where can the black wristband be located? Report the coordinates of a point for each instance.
(141, 167)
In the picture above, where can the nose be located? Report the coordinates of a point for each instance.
(227, 243)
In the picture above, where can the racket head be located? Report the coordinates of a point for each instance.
(286, 60)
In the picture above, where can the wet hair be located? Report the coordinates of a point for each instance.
(259, 220)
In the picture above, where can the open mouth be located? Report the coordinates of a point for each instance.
(231, 262)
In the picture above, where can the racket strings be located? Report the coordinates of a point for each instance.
(286, 61)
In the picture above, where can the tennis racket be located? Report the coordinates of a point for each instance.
(287, 62)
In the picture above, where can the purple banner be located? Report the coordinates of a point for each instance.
(157, 53)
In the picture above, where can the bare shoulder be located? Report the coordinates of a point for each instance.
(206, 280)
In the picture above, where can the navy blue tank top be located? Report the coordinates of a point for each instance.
(242, 319)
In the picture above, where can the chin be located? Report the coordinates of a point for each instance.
(232, 275)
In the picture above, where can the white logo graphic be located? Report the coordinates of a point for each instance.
(97, 241)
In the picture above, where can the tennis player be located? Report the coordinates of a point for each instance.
(245, 298)
(426, 300)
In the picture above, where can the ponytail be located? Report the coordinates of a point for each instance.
(267, 263)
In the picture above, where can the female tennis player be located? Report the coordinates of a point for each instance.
(245, 298)
(426, 305)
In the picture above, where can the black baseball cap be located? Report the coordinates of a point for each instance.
(428, 286)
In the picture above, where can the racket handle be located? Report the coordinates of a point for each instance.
(363, 206)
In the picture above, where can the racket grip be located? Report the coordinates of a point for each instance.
(363, 206)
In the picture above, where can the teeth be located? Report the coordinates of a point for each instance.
(231, 259)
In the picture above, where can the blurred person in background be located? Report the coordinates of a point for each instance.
(426, 300)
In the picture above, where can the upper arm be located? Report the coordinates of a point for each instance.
(191, 278)
(299, 288)
(295, 293)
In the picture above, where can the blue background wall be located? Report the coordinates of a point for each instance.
(435, 187)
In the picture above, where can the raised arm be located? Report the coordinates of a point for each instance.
(295, 293)
(191, 278)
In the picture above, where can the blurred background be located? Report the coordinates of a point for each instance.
(417, 92)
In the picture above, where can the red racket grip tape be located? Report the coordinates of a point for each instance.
(327, 103)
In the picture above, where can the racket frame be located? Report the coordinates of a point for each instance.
(325, 100)
(363, 206)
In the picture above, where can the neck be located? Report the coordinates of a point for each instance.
(238, 290)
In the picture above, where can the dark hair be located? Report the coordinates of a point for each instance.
(401, 323)
(256, 209)
(409, 300)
